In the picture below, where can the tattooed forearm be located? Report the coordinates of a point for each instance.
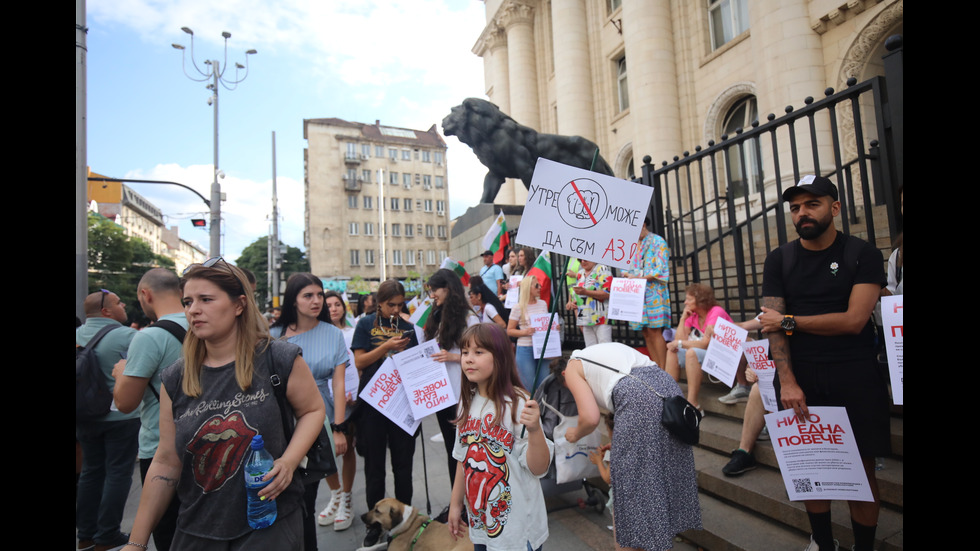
(778, 343)
(166, 480)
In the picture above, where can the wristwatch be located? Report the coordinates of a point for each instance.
(788, 324)
(341, 427)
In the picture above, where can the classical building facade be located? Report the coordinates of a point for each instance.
(376, 199)
(657, 77)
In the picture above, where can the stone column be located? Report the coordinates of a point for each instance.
(573, 76)
(652, 77)
(497, 43)
(517, 20)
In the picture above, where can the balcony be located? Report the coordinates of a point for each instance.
(352, 158)
(352, 184)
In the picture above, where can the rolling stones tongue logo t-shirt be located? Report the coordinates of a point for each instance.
(504, 501)
(214, 433)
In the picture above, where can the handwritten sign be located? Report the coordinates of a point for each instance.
(384, 393)
(818, 458)
(724, 351)
(626, 298)
(583, 214)
(757, 354)
(892, 315)
(426, 381)
(540, 324)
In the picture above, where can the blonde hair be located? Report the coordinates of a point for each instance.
(525, 297)
(251, 328)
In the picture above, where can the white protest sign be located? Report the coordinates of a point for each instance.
(426, 381)
(724, 351)
(892, 315)
(350, 378)
(540, 324)
(626, 298)
(757, 354)
(384, 393)
(818, 458)
(583, 214)
(513, 291)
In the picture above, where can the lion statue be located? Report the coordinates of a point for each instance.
(509, 149)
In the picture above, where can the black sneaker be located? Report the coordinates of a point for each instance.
(741, 462)
(375, 540)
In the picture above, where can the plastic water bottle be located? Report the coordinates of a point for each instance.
(261, 513)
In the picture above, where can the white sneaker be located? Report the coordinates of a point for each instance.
(345, 514)
(327, 515)
(738, 394)
(814, 547)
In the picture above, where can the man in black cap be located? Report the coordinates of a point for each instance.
(818, 295)
(493, 275)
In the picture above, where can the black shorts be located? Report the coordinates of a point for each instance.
(859, 387)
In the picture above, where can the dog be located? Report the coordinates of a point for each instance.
(403, 522)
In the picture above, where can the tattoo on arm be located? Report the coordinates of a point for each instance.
(166, 480)
(778, 343)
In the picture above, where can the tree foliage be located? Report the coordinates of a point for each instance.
(255, 258)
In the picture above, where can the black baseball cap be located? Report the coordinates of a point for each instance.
(817, 185)
(485, 253)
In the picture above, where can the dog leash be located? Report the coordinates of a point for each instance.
(418, 534)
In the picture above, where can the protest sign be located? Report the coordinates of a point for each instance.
(892, 315)
(540, 324)
(384, 393)
(513, 291)
(583, 214)
(724, 351)
(426, 381)
(350, 378)
(757, 354)
(626, 298)
(818, 458)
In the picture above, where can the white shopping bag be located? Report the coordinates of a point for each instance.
(572, 459)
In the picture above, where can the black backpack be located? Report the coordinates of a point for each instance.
(92, 396)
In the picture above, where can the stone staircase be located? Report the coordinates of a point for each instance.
(752, 513)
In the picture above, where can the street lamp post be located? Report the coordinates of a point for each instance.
(215, 73)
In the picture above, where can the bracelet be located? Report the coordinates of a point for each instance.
(140, 545)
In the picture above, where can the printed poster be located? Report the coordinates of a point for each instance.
(757, 354)
(724, 351)
(818, 458)
(626, 299)
(426, 381)
(384, 393)
(350, 378)
(892, 314)
(513, 291)
(540, 324)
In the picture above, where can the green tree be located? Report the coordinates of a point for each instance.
(255, 258)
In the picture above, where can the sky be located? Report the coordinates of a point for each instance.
(404, 62)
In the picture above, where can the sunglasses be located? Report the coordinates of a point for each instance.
(102, 302)
(212, 263)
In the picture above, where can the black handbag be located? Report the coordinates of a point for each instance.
(679, 416)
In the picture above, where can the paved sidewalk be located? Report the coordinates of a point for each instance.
(571, 528)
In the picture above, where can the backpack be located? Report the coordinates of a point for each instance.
(178, 333)
(92, 396)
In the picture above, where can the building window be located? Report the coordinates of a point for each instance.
(369, 257)
(727, 19)
(393, 154)
(366, 175)
(369, 228)
(407, 204)
(352, 201)
(613, 5)
(438, 156)
(351, 150)
(427, 182)
(622, 84)
(440, 183)
(430, 257)
(428, 231)
(409, 230)
(355, 257)
(367, 202)
(352, 228)
(396, 230)
(442, 231)
(426, 156)
(428, 205)
(393, 178)
(743, 166)
(351, 175)
(440, 207)
(365, 150)
(394, 203)
(409, 257)
(396, 257)
(379, 151)
(407, 180)
(406, 154)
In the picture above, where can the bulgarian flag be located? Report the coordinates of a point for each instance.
(458, 268)
(497, 239)
(542, 270)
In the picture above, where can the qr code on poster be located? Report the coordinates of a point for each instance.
(709, 365)
(802, 485)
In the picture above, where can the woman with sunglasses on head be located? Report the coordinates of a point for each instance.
(519, 327)
(228, 359)
(450, 316)
(377, 337)
(305, 323)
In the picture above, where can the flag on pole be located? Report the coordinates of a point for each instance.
(542, 271)
(497, 238)
(421, 313)
(458, 268)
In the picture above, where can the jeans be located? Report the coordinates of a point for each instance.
(526, 363)
(108, 459)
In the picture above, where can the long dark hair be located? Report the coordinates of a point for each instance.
(296, 283)
(504, 383)
(479, 288)
(338, 296)
(447, 322)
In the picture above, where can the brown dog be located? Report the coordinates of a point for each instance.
(403, 522)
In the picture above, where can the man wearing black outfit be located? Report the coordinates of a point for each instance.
(818, 295)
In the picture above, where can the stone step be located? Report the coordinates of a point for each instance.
(728, 528)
